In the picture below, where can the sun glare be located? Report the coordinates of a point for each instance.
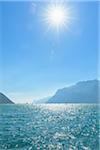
(57, 16)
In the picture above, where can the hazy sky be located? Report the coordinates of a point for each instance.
(35, 61)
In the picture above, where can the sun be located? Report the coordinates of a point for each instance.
(58, 16)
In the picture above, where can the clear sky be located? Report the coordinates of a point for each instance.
(35, 61)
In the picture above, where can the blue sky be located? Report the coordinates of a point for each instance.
(35, 63)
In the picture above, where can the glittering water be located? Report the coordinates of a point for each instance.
(49, 127)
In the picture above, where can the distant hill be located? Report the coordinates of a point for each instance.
(4, 99)
(82, 92)
(43, 100)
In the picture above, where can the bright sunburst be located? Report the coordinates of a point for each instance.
(58, 16)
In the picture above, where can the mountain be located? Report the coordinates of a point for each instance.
(43, 100)
(82, 92)
(4, 99)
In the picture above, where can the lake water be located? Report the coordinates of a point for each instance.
(49, 127)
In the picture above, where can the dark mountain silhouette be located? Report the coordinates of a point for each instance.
(4, 99)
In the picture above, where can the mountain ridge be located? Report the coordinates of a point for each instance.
(81, 92)
(4, 99)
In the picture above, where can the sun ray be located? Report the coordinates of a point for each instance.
(58, 16)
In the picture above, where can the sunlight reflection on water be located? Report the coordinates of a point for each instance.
(49, 127)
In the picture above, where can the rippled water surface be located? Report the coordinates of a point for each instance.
(49, 127)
